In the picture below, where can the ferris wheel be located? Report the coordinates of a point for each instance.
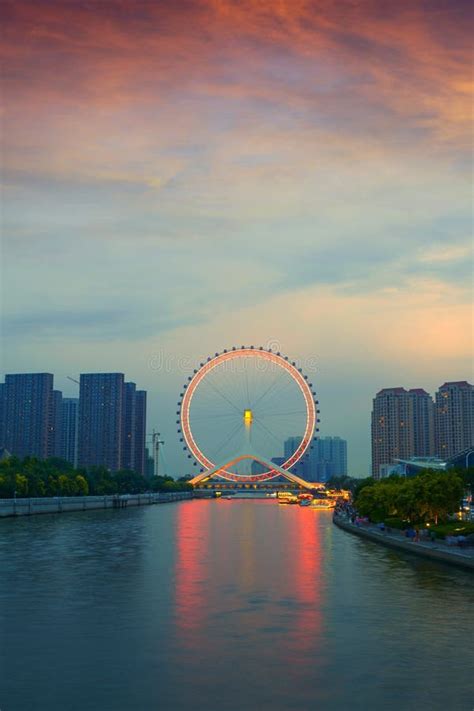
(247, 414)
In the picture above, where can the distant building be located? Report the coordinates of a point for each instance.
(257, 468)
(100, 428)
(414, 465)
(112, 423)
(128, 426)
(134, 429)
(278, 461)
(149, 464)
(56, 424)
(28, 414)
(454, 418)
(69, 426)
(140, 431)
(327, 459)
(462, 460)
(410, 467)
(290, 446)
(386, 470)
(402, 426)
(4, 454)
(2, 414)
(421, 413)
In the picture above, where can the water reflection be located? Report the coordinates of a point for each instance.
(252, 574)
(192, 557)
(225, 606)
(308, 584)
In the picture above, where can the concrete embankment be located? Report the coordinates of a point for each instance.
(62, 504)
(460, 557)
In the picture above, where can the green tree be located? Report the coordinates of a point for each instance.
(442, 494)
(82, 486)
(21, 485)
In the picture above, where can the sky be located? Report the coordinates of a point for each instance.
(183, 176)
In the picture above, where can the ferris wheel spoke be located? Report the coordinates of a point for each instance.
(227, 383)
(247, 385)
(202, 415)
(227, 439)
(205, 418)
(218, 391)
(258, 422)
(266, 392)
(282, 414)
(278, 392)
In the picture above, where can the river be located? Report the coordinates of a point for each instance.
(225, 606)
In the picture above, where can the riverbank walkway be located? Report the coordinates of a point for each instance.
(63, 504)
(437, 550)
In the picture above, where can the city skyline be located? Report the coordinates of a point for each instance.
(181, 177)
(404, 424)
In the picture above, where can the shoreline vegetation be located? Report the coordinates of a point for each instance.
(35, 478)
(429, 501)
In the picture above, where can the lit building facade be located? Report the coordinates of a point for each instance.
(402, 426)
(454, 418)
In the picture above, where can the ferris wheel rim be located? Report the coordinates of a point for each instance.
(247, 352)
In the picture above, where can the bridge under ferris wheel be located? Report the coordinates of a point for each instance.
(226, 472)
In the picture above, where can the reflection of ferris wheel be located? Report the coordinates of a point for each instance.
(247, 405)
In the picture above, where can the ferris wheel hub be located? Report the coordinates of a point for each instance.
(248, 417)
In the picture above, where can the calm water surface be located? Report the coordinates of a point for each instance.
(225, 605)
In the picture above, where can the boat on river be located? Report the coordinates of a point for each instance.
(323, 504)
(288, 499)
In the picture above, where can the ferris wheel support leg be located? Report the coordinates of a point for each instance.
(257, 458)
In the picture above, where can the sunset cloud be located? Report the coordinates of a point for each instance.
(237, 169)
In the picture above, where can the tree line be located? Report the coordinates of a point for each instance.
(32, 477)
(431, 495)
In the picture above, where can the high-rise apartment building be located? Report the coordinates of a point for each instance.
(149, 464)
(101, 411)
(106, 426)
(290, 446)
(128, 426)
(134, 429)
(69, 424)
(112, 423)
(28, 428)
(2, 414)
(454, 418)
(402, 426)
(140, 432)
(327, 459)
(421, 417)
(54, 449)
